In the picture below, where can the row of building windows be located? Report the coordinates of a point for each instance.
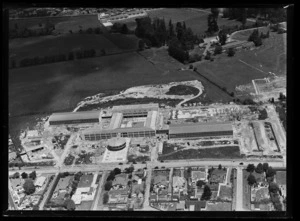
(202, 134)
(95, 120)
(103, 136)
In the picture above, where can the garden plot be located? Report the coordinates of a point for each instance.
(149, 91)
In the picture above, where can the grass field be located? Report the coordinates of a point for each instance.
(52, 45)
(60, 86)
(196, 20)
(62, 24)
(231, 72)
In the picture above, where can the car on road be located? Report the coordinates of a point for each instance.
(242, 163)
(120, 163)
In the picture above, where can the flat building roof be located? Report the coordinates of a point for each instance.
(66, 116)
(198, 128)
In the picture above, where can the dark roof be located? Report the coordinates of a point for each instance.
(75, 115)
(199, 127)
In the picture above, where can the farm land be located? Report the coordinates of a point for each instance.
(268, 57)
(62, 24)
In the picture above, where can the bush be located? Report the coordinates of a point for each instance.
(231, 52)
(218, 50)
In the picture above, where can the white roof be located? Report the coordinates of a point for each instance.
(33, 133)
(76, 198)
(40, 181)
(106, 24)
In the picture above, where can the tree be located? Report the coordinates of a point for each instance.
(103, 51)
(281, 96)
(257, 41)
(215, 12)
(105, 198)
(141, 45)
(259, 168)
(117, 171)
(220, 167)
(273, 187)
(29, 187)
(251, 179)
(265, 166)
(32, 175)
(222, 37)
(230, 52)
(212, 24)
(206, 193)
(218, 50)
(207, 56)
(108, 185)
(124, 29)
(243, 16)
(250, 168)
(200, 183)
(16, 175)
(69, 204)
(270, 172)
(24, 175)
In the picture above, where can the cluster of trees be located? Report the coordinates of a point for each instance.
(274, 15)
(206, 195)
(120, 28)
(155, 33)
(80, 54)
(96, 30)
(273, 187)
(17, 32)
(110, 178)
(212, 21)
(256, 38)
(239, 14)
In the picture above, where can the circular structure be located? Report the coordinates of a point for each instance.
(116, 143)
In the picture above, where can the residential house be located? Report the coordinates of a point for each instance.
(86, 188)
(195, 205)
(198, 175)
(120, 181)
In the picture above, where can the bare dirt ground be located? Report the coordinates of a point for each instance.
(152, 91)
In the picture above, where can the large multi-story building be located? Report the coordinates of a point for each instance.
(127, 121)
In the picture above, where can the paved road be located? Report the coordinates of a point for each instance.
(41, 206)
(100, 185)
(239, 190)
(187, 163)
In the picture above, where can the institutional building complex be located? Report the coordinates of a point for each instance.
(127, 121)
(136, 121)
